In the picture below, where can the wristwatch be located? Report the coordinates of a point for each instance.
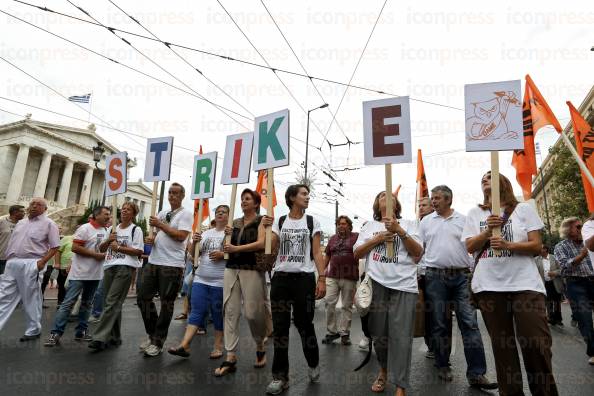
(404, 237)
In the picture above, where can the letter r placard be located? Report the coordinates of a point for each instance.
(203, 179)
(386, 131)
(115, 174)
(271, 140)
(158, 159)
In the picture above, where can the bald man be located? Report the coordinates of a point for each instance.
(33, 243)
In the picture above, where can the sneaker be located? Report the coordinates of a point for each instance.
(364, 343)
(329, 338)
(82, 336)
(94, 319)
(430, 355)
(445, 373)
(277, 386)
(345, 340)
(481, 382)
(144, 344)
(591, 360)
(314, 374)
(153, 350)
(53, 340)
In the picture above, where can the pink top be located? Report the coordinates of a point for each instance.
(32, 238)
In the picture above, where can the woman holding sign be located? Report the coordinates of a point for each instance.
(294, 286)
(245, 282)
(207, 288)
(509, 290)
(395, 290)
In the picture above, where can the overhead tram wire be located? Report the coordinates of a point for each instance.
(155, 63)
(302, 67)
(123, 64)
(354, 71)
(230, 59)
(200, 72)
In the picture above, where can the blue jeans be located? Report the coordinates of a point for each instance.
(206, 298)
(581, 293)
(443, 287)
(75, 287)
(98, 301)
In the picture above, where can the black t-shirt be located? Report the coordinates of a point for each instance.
(244, 260)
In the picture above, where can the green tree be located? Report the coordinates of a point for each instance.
(85, 217)
(568, 191)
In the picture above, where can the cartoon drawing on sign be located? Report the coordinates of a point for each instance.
(489, 120)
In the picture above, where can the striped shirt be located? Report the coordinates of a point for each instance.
(565, 252)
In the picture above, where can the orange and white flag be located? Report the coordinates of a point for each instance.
(261, 188)
(584, 141)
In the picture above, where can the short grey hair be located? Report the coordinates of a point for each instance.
(566, 225)
(445, 190)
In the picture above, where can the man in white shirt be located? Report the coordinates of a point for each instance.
(85, 273)
(447, 266)
(164, 271)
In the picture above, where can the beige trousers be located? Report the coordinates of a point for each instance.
(250, 287)
(344, 288)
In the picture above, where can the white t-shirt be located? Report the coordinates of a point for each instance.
(167, 251)
(84, 267)
(124, 238)
(211, 272)
(399, 272)
(294, 250)
(587, 233)
(546, 266)
(441, 238)
(510, 271)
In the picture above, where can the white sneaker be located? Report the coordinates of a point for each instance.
(591, 360)
(153, 350)
(277, 386)
(144, 344)
(314, 374)
(364, 343)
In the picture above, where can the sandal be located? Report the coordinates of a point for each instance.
(260, 359)
(181, 316)
(200, 331)
(216, 354)
(225, 368)
(179, 351)
(379, 385)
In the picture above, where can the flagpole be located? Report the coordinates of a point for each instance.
(577, 157)
(90, 106)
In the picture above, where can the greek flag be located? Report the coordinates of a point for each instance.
(80, 99)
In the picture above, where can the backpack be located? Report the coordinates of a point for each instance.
(309, 220)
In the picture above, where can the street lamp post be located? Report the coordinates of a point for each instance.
(307, 137)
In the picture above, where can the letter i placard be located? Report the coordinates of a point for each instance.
(203, 183)
(387, 141)
(116, 181)
(236, 168)
(159, 152)
(271, 150)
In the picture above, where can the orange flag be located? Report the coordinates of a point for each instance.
(261, 188)
(584, 141)
(397, 190)
(422, 188)
(536, 113)
(205, 208)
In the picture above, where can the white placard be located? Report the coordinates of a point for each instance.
(494, 116)
(238, 157)
(386, 131)
(271, 140)
(158, 159)
(203, 177)
(116, 174)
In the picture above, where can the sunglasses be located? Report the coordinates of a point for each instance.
(168, 217)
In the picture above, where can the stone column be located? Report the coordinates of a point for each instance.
(18, 173)
(86, 187)
(42, 175)
(65, 185)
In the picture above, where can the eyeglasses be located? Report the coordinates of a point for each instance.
(578, 226)
(168, 217)
(220, 212)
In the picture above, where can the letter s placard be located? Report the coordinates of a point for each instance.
(116, 175)
(386, 131)
(158, 159)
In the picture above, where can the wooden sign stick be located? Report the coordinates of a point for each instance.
(389, 206)
(495, 198)
(231, 214)
(114, 212)
(154, 205)
(199, 229)
(269, 209)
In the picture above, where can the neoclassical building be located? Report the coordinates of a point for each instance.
(39, 159)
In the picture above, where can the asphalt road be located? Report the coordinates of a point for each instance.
(31, 369)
